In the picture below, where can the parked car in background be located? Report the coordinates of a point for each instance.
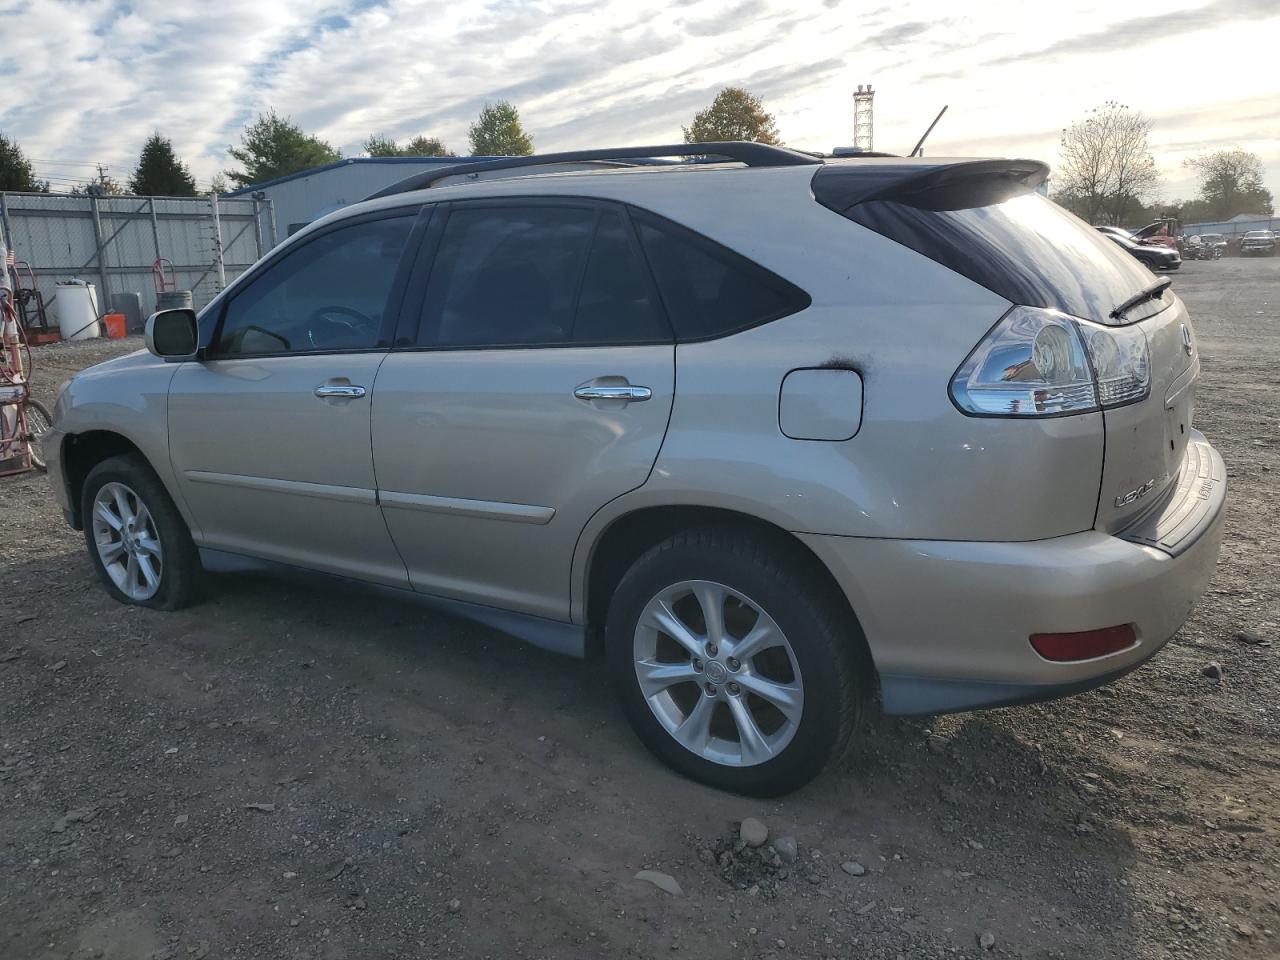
(1216, 242)
(1111, 231)
(1200, 247)
(1258, 243)
(1154, 257)
(622, 410)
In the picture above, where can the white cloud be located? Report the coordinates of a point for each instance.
(91, 79)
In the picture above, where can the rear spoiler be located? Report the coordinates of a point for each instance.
(939, 185)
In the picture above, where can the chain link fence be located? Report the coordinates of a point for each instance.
(114, 242)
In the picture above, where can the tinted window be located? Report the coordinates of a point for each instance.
(537, 275)
(710, 291)
(616, 304)
(1023, 247)
(328, 294)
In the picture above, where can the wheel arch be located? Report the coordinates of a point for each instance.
(83, 451)
(630, 534)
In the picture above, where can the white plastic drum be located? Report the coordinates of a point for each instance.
(77, 303)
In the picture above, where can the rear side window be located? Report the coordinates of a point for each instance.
(710, 291)
(538, 275)
(1023, 247)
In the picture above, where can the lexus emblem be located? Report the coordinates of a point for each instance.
(1186, 339)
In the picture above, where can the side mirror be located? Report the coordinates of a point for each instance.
(173, 334)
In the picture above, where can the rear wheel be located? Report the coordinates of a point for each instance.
(734, 664)
(137, 539)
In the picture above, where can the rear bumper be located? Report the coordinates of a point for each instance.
(949, 622)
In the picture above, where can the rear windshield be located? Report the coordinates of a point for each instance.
(1024, 247)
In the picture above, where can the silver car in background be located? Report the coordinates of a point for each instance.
(778, 435)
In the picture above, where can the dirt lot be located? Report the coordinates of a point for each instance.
(428, 788)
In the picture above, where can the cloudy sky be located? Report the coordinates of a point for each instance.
(84, 82)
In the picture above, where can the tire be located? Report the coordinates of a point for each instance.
(38, 424)
(129, 487)
(821, 670)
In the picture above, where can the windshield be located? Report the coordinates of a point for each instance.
(1026, 248)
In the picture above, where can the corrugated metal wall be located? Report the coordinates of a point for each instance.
(301, 199)
(112, 242)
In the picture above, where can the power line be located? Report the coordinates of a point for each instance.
(67, 163)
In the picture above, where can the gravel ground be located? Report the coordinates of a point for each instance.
(293, 770)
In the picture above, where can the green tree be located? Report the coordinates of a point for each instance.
(16, 172)
(382, 146)
(733, 115)
(160, 173)
(497, 133)
(273, 146)
(1231, 183)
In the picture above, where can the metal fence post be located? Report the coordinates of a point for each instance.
(257, 226)
(155, 224)
(102, 260)
(217, 242)
(271, 217)
(4, 219)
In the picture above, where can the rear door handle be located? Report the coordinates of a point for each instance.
(340, 391)
(626, 393)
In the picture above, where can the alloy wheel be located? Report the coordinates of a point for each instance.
(718, 673)
(127, 542)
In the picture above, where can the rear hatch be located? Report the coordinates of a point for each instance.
(985, 220)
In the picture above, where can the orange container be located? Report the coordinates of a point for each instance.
(115, 324)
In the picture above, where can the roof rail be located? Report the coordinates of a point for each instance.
(743, 151)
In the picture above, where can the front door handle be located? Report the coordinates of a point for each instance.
(626, 393)
(339, 391)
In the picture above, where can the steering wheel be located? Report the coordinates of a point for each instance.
(338, 326)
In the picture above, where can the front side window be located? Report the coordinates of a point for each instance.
(328, 294)
(538, 275)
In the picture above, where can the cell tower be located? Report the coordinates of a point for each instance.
(863, 118)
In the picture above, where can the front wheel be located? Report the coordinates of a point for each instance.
(734, 663)
(137, 539)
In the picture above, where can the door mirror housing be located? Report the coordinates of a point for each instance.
(173, 334)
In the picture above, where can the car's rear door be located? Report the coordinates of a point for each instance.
(533, 386)
(269, 431)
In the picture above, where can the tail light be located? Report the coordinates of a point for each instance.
(1041, 363)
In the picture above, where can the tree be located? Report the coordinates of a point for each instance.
(160, 173)
(218, 184)
(1231, 184)
(273, 146)
(16, 172)
(100, 186)
(733, 115)
(420, 146)
(497, 133)
(1106, 166)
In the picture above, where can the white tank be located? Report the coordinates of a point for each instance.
(77, 303)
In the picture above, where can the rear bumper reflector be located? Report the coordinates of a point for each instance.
(1085, 645)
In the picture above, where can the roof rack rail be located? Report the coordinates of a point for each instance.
(744, 151)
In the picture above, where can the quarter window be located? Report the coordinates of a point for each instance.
(328, 294)
(710, 291)
(538, 275)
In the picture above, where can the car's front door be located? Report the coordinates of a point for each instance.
(535, 389)
(269, 432)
